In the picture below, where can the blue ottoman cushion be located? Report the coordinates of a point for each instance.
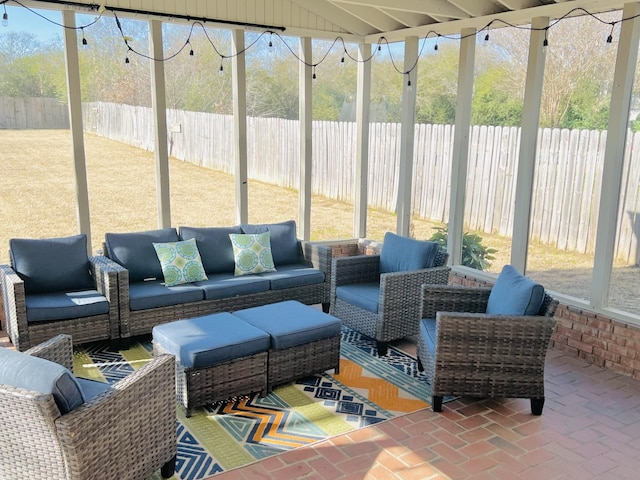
(291, 323)
(205, 341)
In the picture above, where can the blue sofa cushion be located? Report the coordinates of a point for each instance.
(92, 388)
(515, 294)
(284, 242)
(293, 275)
(362, 295)
(427, 334)
(53, 264)
(214, 246)
(291, 323)
(211, 339)
(44, 307)
(154, 294)
(135, 252)
(224, 285)
(39, 375)
(402, 254)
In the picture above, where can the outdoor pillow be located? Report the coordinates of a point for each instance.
(40, 375)
(180, 261)
(252, 253)
(284, 242)
(514, 294)
(403, 254)
(52, 264)
(214, 246)
(135, 252)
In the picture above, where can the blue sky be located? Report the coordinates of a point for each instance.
(21, 19)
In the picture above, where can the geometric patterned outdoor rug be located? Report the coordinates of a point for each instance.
(369, 389)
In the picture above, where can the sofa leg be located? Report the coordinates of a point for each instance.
(536, 405)
(120, 344)
(382, 348)
(169, 468)
(437, 403)
(420, 366)
(326, 307)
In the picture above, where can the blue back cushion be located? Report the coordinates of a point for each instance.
(402, 254)
(214, 246)
(135, 252)
(515, 294)
(37, 374)
(53, 264)
(284, 240)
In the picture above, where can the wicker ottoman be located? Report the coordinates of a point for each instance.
(217, 357)
(304, 340)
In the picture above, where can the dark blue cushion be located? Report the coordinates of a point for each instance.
(214, 246)
(43, 307)
(92, 388)
(39, 375)
(284, 242)
(211, 339)
(291, 323)
(515, 294)
(52, 264)
(293, 275)
(225, 285)
(154, 294)
(361, 295)
(427, 334)
(402, 254)
(135, 252)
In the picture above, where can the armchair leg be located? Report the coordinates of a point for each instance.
(536, 406)
(169, 468)
(437, 403)
(382, 348)
(420, 365)
(326, 307)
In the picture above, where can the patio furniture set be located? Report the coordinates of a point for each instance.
(236, 325)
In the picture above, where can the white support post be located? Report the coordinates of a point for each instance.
(362, 141)
(159, 106)
(306, 134)
(614, 152)
(240, 127)
(75, 115)
(528, 144)
(407, 136)
(455, 226)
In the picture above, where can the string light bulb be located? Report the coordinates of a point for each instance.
(486, 37)
(5, 17)
(545, 43)
(190, 48)
(126, 61)
(221, 69)
(610, 37)
(314, 78)
(409, 86)
(84, 40)
(342, 62)
(435, 47)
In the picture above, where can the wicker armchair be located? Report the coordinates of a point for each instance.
(394, 313)
(465, 351)
(126, 432)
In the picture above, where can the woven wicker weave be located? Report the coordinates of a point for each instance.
(141, 322)
(398, 313)
(84, 329)
(127, 432)
(484, 355)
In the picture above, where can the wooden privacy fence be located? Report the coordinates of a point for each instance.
(567, 180)
(33, 113)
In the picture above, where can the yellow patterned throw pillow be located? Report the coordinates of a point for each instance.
(252, 253)
(180, 261)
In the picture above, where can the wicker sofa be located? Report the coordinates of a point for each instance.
(302, 274)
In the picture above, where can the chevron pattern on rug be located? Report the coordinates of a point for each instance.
(219, 437)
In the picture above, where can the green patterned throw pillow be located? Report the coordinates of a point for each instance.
(252, 253)
(180, 261)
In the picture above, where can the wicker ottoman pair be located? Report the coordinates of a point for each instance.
(226, 355)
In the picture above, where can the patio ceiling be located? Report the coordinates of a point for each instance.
(355, 20)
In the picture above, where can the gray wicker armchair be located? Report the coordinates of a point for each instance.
(465, 351)
(126, 432)
(384, 305)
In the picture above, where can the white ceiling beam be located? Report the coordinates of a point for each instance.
(409, 19)
(376, 18)
(478, 8)
(519, 4)
(337, 16)
(434, 8)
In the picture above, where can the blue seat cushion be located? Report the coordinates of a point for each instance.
(291, 323)
(427, 334)
(92, 388)
(285, 248)
(53, 264)
(214, 246)
(293, 275)
(402, 254)
(39, 375)
(44, 307)
(154, 294)
(135, 252)
(362, 295)
(211, 339)
(514, 294)
(225, 285)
